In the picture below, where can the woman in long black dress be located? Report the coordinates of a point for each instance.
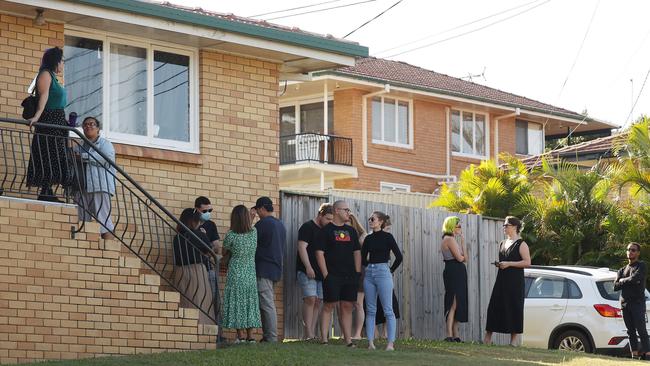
(454, 276)
(506, 310)
(50, 162)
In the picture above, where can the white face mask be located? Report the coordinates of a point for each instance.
(205, 216)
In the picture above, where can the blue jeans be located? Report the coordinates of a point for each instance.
(379, 282)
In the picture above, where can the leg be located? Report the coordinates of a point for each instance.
(488, 337)
(240, 334)
(358, 324)
(267, 309)
(315, 316)
(346, 319)
(456, 332)
(249, 333)
(308, 315)
(628, 318)
(450, 319)
(371, 306)
(326, 319)
(640, 325)
(384, 282)
(102, 206)
(513, 339)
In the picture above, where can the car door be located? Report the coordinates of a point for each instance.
(543, 309)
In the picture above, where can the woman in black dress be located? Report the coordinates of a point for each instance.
(506, 310)
(50, 162)
(454, 276)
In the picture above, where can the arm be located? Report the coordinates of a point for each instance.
(364, 255)
(524, 251)
(320, 258)
(304, 258)
(397, 253)
(637, 276)
(357, 261)
(43, 81)
(452, 245)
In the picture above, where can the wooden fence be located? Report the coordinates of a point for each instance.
(418, 282)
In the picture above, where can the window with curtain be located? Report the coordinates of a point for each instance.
(468, 133)
(391, 122)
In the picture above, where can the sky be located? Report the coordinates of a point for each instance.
(581, 55)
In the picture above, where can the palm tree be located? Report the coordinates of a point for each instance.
(487, 189)
(633, 150)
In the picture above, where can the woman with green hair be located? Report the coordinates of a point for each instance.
(454, 276)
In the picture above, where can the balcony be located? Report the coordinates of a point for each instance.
(312, 160)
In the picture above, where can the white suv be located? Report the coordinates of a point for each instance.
(574, 308)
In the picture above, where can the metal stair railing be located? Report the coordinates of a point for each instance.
(74, 165)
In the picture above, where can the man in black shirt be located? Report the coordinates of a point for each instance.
(631, 281)
(308, 274)
(338, 254)
(204, 207)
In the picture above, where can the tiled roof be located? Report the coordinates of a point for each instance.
(600, 146)
(251, 21)
(419, 78)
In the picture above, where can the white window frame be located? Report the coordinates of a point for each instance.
(397, 136)
(394, 187)
(150, 45)
(297, 102)
(487, 133)
(528, 123)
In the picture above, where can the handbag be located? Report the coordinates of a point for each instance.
(29, 104)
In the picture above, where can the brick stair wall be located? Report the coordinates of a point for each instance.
(63, 298)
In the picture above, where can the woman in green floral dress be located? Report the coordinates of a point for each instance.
(241, 304)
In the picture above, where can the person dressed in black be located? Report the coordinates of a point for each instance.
(50, 162)
(506, 309)
(190, 264)
(630, 280)
(338, 255)
(454, 276)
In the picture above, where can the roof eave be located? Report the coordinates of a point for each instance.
(416, 88)
(182, 16)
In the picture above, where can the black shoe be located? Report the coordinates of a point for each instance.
(457, 340)
(449, 339)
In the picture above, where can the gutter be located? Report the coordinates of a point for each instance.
(364, 143)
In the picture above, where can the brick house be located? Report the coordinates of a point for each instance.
(190, 100)
(393, 126)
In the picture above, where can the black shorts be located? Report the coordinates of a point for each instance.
(340, 288)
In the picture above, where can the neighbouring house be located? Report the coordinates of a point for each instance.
(190, 100)
(384, 125)
(585, 154)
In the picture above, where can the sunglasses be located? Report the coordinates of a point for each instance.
(506, 225)
(632, 250)
(458, 226)
(88, 125)
(206, 210)
(372, 219)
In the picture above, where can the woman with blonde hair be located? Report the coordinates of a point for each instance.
(454, 276)
(360, 314)
(378, 281)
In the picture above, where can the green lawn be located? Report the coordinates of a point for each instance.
(409, 352)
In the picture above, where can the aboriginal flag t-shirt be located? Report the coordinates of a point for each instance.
(338, 243)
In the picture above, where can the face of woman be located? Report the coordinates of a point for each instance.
(374, 223)
(59, 67)
(509, 229)
(458, 230)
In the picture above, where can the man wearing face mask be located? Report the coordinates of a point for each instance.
(204, 207)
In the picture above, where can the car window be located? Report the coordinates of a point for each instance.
(606, 289)
(546, 288)
(574, 290)
(528, 282)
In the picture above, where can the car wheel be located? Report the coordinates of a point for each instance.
(573, 341)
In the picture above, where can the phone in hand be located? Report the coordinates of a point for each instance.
(496, 263)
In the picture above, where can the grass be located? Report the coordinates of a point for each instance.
(409, 352)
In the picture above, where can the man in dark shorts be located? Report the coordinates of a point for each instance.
(338, 254)
(631, 281)
(308, 274)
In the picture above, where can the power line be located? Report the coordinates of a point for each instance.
(468, 32)
(319, 10)
(575, 60)
(375, 17)
(296, 8)
(457, 27)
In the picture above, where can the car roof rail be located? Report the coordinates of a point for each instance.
(558, 269)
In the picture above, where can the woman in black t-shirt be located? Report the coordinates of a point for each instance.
(191, 257)
(378, 281)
